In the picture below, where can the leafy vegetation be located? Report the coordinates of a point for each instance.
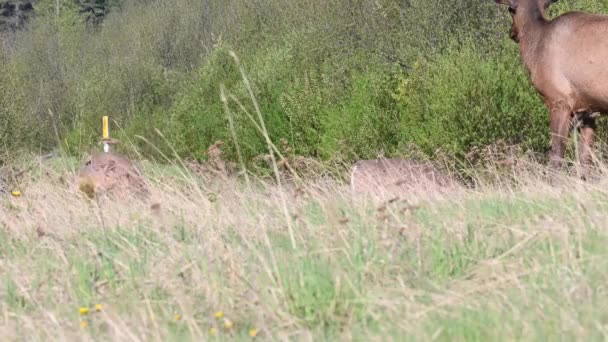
(337, 80)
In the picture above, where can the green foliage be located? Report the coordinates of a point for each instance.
(311, 111)
(365, 122)
(337, 80)
(198, 119)
(464, 99)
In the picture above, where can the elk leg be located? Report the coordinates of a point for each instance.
(560, 125)
(585, 143)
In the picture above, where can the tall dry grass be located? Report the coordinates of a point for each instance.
(522, 258)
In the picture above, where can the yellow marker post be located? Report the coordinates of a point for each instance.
(106, 134)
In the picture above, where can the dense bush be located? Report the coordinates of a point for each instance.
(336, 79)
(464, 99)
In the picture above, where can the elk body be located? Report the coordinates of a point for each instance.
(567, 59)
(111, 173)
(396, 177)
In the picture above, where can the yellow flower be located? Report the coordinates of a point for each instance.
(253, 332)
(98, 307)
(84, 324)
(16, 193)
(228, 324)
(178, 317)
(219, 314)
(212, 331)
(83, 311)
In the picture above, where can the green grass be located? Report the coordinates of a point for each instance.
(521, 261)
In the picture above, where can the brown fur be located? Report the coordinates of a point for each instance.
(396, 176)
(567, 59)
(111, 173)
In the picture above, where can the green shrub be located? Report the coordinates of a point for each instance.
(465, 98)
(319, 114)
(365, 122)
(336, 79)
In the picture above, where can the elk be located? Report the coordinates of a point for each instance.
(396, 176)
(567, 61)
(111, 173)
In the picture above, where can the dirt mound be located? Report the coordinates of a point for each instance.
(396, 177)
(111, 174)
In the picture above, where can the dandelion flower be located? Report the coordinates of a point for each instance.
(98, 307)
(228, 324)
(178, 317)
(83, 311)
(84, 324)
(219, 314)
(16, 193)
(212, 331)
(253, 332)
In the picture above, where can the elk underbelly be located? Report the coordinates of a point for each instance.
(594, 96)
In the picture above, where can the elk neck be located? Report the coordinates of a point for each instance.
(531, 25)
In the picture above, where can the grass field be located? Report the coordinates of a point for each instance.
(517, 259)
(517, 254)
